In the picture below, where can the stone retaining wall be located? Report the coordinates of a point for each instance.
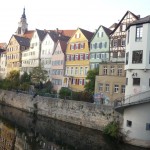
(76, 112)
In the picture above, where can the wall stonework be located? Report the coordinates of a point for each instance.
(76, 112)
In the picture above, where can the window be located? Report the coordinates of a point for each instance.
(81, 70)
(81, 56)
(147, 126)
(86, 56)
(100, 87)
(77, 46)
(100, 45)
(122, 88)
(76, 57)
(123, 42)
(92, 56)
(68, 56)
(119, 71)
(129, 123)
(98, 55)
(112, 70)
(72, 47)
(86, 70)
(123, 27)
(115, 43)
(76, 70)
(126, 81)
(127, 57)
(77, 35)
(116, 88)
(128, 36)
(137, 56)
(95, 45)
(71, 70)
(80, 81)
(105, 70)
(101, 34)
(72, 57)
(105, 44)
(115, 54)
(107, 87)
(136, 81)
(139, 33)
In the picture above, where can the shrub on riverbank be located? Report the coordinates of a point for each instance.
(112, 129)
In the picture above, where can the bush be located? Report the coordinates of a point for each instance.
(112, 129)
(64, 92)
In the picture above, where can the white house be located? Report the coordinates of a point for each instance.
(136, 108)
(3, 68)
(32, 57)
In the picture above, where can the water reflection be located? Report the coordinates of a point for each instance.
(24, 131)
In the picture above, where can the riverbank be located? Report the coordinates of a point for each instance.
(80, 113)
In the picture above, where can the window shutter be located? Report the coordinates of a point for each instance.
(72, 81)
(88, 56)
(69, 57)
(70, 46)
(83, 45)
(82, 81)
(74, 46)
(78, 81)
(78, 56)
(79, 46)
(119, 42)
(83, 56)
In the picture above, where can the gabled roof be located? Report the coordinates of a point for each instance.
(87, 34)
(113, 25)
(41, 34)
(140, 21)
(22, 40)
(28, 34)
(107, 31)
(137, 17)
(63, 45)
(2, 50)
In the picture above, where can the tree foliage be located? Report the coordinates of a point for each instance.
(38, 75)
(13, 79)
(91, 75)
(25, 77)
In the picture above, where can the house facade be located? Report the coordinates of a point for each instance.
(136, 106)
(118, 38)
(77, 59)
(110, 83)
(15, 47)
(99, 47)
(32, 57)
(3, 68)
(58, 65)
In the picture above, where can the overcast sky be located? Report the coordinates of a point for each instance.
(66, 14)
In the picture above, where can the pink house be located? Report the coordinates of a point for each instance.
(58, 64)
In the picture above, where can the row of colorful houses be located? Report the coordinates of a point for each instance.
(67, 55)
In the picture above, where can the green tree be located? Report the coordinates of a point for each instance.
(25, 77)
(39, 75)
(13, 79)
(64, 93)
(91, 75)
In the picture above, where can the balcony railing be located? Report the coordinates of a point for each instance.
(133, 99)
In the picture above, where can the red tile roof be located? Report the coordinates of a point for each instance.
(66, 32)
(29, 34)
(3, 45)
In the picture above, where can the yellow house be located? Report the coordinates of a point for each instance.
(77, 59)
(14, 50)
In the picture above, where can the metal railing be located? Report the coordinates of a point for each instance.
(133, 99)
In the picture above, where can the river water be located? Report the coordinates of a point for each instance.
(24, 131)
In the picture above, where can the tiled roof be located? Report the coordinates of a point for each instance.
(41, 34)
(137, 17)
(22, 40)
(3, 45)
(68, 33)
(140, 21)
(57, 36)
(28, 34)
(87, 34)
(113, 25)
(63, 45)
(107, 30)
